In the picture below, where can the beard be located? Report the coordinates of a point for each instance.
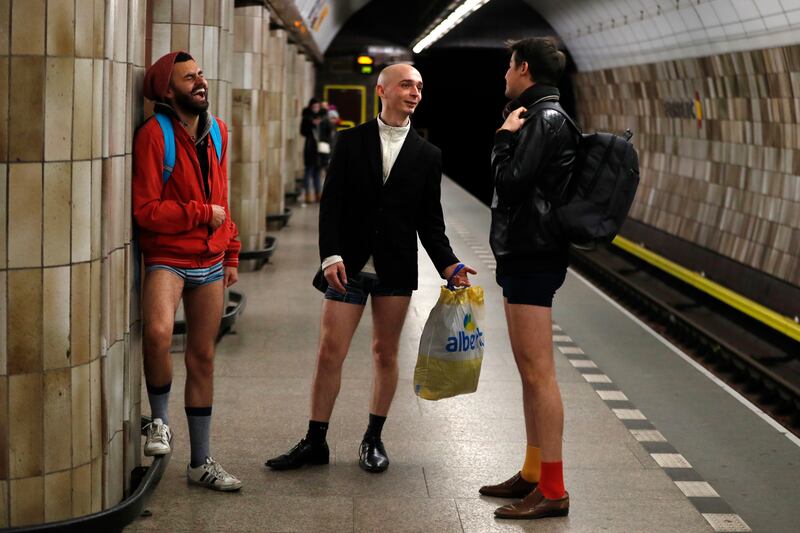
(186, 103)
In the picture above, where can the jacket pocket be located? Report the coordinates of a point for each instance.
(219, 239)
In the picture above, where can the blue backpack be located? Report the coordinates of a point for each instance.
(169, 165)
(169, 143)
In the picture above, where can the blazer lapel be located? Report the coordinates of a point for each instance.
(372, 147)
(407, 156)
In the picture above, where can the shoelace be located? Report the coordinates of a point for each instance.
(216, 469)
(160, 433)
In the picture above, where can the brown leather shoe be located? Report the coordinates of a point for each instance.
(535, 505)
(516, 487)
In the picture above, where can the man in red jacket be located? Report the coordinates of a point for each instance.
(190, 251)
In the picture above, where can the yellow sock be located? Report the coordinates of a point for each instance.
(532, 469)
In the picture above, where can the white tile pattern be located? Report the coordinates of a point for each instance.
(582, 363)
(566, 350)
(612, 395)
(731, 523)
(618, 33)
(670, 460)
(629, 414)
(648, 435)
(697, 489)
(596, 378)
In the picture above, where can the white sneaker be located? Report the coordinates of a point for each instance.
(210, 474)
(158, 438)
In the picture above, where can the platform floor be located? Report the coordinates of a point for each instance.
(442, 451)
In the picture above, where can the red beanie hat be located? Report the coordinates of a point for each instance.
(156, 78)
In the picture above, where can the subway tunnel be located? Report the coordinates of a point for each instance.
(676, 346)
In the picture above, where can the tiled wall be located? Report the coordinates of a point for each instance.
(248, 194)
(70, 73)
(615, 33)
(70, 334)
(275, 73)
(292, 116)
(730, 182)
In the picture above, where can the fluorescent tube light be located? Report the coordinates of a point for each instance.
(453, 19)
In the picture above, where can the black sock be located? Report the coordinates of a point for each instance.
(375, 426)
(317, 431)
(159, 401)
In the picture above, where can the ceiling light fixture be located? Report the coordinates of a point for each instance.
(451, 21)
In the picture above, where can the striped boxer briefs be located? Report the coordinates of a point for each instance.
(194, 277)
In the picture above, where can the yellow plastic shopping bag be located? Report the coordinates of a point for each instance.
(451, 347)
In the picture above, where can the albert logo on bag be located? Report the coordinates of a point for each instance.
(464, 342)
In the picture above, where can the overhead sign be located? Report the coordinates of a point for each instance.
(317, 14)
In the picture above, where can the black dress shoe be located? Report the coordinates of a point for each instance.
(372, 455)
(304, 453)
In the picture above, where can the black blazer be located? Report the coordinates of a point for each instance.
(360, 216)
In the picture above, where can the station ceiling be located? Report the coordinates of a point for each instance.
(597, 34)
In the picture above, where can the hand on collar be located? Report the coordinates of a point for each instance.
(529, 96)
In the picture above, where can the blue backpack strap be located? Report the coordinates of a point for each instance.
(169, 145)
(216, 138)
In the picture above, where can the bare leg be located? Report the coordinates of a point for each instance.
(530, 416)
(338, 323)
(532, 342)
(160, 299)
(203, 308)
(388, 315)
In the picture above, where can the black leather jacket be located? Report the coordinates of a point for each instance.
(531, 169)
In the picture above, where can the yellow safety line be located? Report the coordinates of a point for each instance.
(784, 324)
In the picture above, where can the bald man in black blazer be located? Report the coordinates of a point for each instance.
(382, 190)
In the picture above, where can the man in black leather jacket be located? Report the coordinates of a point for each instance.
(531, 164)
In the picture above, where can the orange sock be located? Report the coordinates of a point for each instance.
(551, 485)
(532, 469)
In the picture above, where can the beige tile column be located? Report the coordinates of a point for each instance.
(248, 195)
(274, 73)
(69, 404)
(291, 118)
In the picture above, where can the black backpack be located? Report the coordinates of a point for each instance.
(601, 187)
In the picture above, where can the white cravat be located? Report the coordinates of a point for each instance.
(392, 139)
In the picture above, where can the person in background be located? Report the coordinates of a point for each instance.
(327, 136)
(309, 128)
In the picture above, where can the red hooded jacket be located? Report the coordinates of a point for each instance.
(173, 218)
